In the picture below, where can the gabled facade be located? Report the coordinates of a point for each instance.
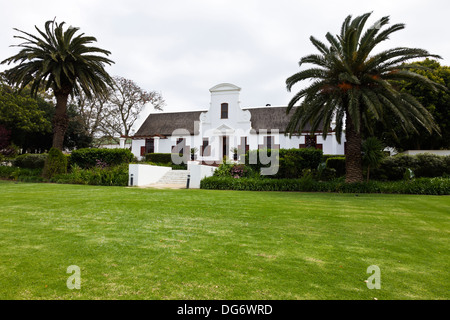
(223, 127)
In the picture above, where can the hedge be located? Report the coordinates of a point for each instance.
(338, 164)
(159, 157)
(95, 157)
(30, 161)
(292, 162)
(429, 186)
(423, 165)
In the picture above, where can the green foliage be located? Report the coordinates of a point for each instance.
(292, 162)
(91, 157)
(30, 161)
(353, 86)
(21, 174)
(224, 170)
(431, 186)
(422, 165)
(23, 113)
(232, 170)
(338, 164)
(111, 176)
(56, 163)
(59, 59)
(430, 165)
(159, 157)
(436, 102)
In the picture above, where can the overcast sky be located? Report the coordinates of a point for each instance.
(182, 48)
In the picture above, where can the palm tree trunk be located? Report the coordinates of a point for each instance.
(368, 172)
(353, 159)
(60, 119)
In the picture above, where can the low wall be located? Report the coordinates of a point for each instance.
(436, 152)
(198, 172)
(145, 174)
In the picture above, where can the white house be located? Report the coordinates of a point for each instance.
(215, 132)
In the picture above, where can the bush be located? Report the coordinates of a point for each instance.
(21, 174)
(30, 161)
(430, 165)
(159, 157)
(429, 186)
(90, 157)
(112, 176)
(292, 162)
(327, 174)
(56, 163)
(231, 170)
(338, 164)
(422, 165)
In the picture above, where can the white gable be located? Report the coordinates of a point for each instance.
(223, 87)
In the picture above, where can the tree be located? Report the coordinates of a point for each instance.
(57, 59)
(124, 104)
(352, 87)
(90, 114)
(437, 103)
(27, 119)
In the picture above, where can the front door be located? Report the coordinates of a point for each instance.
(224, 146)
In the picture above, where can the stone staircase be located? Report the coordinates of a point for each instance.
(174, 177)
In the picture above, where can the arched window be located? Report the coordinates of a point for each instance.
(224, 111)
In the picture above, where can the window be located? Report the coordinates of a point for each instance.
(269, 140)
(225, 146)
(205, 148)
(244, 147)
(311, 142)
(179, 147)
(224, 111)
(150, 145)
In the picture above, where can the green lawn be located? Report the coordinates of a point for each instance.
(201, 244)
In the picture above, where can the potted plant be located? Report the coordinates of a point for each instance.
(193, 153)
(235, 153)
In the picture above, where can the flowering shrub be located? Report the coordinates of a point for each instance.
(238, 171)
(100, 164)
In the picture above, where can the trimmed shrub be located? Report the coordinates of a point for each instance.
(338, 164)
(91, 157)
(426, 186)
(30, 161)
(292, 162)
(56, 163)
(159, 157)
(422, 165)
(430, 165)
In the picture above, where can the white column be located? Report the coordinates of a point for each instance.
(122, 143)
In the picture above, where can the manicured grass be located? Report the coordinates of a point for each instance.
(203, 244)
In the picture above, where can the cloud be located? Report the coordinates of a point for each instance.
(182, 48)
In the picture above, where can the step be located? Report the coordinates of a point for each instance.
(174, 177)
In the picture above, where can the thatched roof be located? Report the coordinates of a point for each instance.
(164, 124)
(269, 118)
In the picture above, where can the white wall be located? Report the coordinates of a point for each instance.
(198, 172)
(136, 147)
(144, 174)
(237, 125)
(436, 152)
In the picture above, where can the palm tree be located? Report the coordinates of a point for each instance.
(57, 59)
(372, 153)
(350, 86)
